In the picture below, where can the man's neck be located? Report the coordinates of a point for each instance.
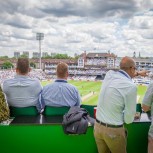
(26, 74)
(59, 78)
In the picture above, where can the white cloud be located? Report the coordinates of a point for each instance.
(71, 26)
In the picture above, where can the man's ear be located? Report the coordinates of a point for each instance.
(17, 71)
(67, 73)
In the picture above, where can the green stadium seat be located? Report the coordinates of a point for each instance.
(138, 108)
(52, 110)
(90, 109)
(23, 111)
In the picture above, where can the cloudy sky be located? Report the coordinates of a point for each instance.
(75, 26)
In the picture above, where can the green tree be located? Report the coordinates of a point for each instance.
(7, 65)
(77, 56)
(4, 57)
(32, 64)
(61, 56)
(23, 56)
(47, 57)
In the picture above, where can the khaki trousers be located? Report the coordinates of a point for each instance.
(150, 144)
(110, 139)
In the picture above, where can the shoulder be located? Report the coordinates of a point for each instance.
(7, 81)
(35, 80)
(110, 72)
(48, 86)
(150, 87)
(151, 84)
(72, 86)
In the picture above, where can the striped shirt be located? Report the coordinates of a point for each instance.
(60, 93)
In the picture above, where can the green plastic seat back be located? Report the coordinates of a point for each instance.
(138, 108)
(22, 111)
(90, 109)
(51, 110)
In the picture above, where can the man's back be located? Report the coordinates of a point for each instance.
(22, 91)
(118, 93)
(116, 105)
(60, 93)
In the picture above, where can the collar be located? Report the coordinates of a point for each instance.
(21, 76)
(59, 80)
(124, 73)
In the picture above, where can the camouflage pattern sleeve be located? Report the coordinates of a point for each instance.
(4, 109)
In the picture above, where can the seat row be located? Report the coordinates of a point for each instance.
(48, 110)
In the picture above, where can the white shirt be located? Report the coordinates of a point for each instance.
(148, 100)
(117, 100)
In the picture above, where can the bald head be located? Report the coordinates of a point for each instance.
(126, 63)
(62, 70)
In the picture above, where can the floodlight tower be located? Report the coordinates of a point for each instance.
(39, 36)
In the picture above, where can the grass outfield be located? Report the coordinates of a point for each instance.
(89, 90)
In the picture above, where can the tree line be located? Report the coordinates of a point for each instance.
(8, 65)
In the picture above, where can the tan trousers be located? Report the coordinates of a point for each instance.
(110, 139)
(150, 145)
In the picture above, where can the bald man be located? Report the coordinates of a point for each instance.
(61, 93)
(116, 106)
